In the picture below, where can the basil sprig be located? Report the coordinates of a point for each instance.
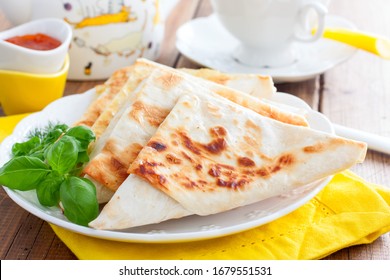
(50, 161)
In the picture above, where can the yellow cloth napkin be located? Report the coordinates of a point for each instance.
(348, 211)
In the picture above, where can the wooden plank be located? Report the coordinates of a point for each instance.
(203, 11)
(309, 91)
(57, 250)
(184, 11)
(73, 87)
(42, 243)
(25, 238)
(12, 216)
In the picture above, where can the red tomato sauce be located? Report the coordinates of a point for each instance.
(37, 41)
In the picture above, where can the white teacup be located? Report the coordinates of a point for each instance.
(267, 29)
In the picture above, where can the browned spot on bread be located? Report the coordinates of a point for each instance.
(250, 140)
(220, 80)
(109, 147)
(187, 104)
(189, 184)
(323, 146)
(108, 171)
(169, 80)
(215, 171)
(86, 122)
(232, 183)
(100, 89)
(286, 160)
(250, 124)
(211, 75)
(158, 146)
(174, 143)
(152, 114)
(172, 159)
(189, 144)
(116, 164)
(263, 172)
(245, 161)
(214, 110)
(128, 154)
(262, 77)
(225, 166)
(216, 146)
(282, 162)
(202, 182)
(118, 79)
(319, 147)
(218, 131)
(147, 170)
(187, 157)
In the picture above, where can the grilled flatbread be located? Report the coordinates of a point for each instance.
(106, 93)
(258, 86)
(144, 111)
(114, 96)
(139, 72)
(211, 155)
(137, 203)
(213, 160)
(143, 68)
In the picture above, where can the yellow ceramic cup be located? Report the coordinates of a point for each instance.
(22, 92)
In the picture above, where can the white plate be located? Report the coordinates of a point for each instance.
(206, 42)
(69, 109)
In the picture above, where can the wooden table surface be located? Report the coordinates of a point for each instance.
(355, 94)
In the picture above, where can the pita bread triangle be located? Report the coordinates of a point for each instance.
(259, 86)
(211, 155)
(105, 94)
(143, 110)
(123, 82)
(143, 68)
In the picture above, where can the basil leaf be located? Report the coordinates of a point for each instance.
(38, 154)
(53, 133)
(24, 148)
(78, 197)
(23, 173)
(62, 155)
(83, 134)
(48, 191)
(83, 157)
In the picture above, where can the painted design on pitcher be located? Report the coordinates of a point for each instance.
(84, 15)
(93, 13)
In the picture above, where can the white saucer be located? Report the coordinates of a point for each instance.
(206, 42)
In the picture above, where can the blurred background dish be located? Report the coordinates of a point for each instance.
(207, 43)
(27, 47)
(23, 92)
